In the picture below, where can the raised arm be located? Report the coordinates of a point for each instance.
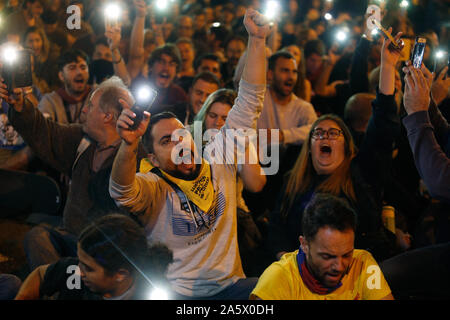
(375, 153)
(120, 69)
(431, 161)
(136, 57)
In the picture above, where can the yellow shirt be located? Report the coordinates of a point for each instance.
(282, 281)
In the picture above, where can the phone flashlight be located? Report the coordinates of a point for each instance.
(10, 55)
(441, 60)
(162, 5)
(272, 9)
(112, 12)
(404, 4)
(341, 35)
(328, 16)
(145, 97)
(418, 51)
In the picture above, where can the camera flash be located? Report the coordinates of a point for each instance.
(328, 16)
(216, 24)
(374, 32)
(404, 4)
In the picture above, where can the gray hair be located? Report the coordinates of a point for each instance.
(111, 91)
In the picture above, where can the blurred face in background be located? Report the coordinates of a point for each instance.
(199, 92)
(35, 43)
(313, 63)
(185, 28)
(102, 52)
(234, 51)
(295, 51)
(35, 9)
(187, 54)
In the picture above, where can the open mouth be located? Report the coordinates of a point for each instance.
(325, 149)
(164, 76)
(79, 81)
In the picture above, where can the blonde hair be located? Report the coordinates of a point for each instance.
(302, 175)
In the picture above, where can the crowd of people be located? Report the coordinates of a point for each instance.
(141, 118)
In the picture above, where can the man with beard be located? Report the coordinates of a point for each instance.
(83, 152)
(326, 266)
(282, 108)
(234, 49)
(65, 104)
(191, 207)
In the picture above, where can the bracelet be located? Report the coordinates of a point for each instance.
(117, 62)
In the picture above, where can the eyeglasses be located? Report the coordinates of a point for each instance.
(332, 133)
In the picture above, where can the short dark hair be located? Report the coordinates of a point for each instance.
(314, 47)
(102, 40)
(24, 4)
(220, 32)
(207, 77)
(49, 17)
(147, 138)
(277, 55)
(206, 56)
(169, 49)
(327, 210)
(71, 56)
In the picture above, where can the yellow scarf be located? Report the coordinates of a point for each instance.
(200, 191)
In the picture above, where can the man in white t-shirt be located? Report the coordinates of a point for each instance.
(191, 207)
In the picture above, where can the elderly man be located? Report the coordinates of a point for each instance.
(84, 152)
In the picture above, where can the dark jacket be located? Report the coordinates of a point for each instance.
(428, 134)
(60, 146)
(369, 171)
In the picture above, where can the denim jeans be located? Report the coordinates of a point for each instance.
(45, 245)
(238, 291)
(9, 286)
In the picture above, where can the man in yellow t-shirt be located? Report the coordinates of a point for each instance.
(326, 266)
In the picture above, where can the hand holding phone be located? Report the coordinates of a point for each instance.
(145, 98)
(16, 70)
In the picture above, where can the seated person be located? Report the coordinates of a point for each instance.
(114, 263)
(326, 266)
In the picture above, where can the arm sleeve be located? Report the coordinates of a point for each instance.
(375, 154)
(273, 284)
(431, 162)
(375, 285)
(54, 143)
(440, 124)
(299, 134)
(359, 81)
(55, 278)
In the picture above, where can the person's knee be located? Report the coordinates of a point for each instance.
(9, 286)
(36, 237)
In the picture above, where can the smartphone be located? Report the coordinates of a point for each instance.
(418, 51)
(18, 74)
(440, 63)
(143, 103)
